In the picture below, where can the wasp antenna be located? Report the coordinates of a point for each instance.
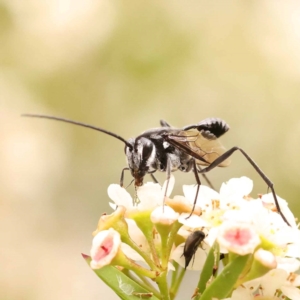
(79, 124)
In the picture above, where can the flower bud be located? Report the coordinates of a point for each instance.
(115, 220)
(164, 216)
(105, 247)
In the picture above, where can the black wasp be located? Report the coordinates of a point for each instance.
(168, 149)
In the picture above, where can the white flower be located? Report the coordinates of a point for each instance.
(231, 218)
(150, 195)
(215, 206)
(204, 198)
(239, 238)
(236, 189)
(268, 200)
(193, 221)
(105, 247)
(289, 264)
(267, 286)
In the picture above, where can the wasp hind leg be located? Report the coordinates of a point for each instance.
(269, 183)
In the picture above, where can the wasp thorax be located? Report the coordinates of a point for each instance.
(140, 158)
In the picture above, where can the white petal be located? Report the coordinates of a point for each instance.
(137, 235)
(113, 205)
(150, 195)
(241, 216)
(296, 281)
(293, 250)
(170, 186)
(129, 252)
(289, 264)
(291, 292)
(193, 221)
(241, 293)
(120, 196)
(272, 281)
(236, 188)
(268, 198)
(205, 195)
(212, 236)
(252, 285)
(171, 267)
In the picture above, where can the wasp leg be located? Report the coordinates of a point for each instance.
(152, 176)
(269, 183)
(206, 178)
(168, 171)
(164, 123)
(195, 170)
(122, 176)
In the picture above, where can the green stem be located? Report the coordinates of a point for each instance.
(222, 286)
(172, 236)
(143, 282)
(174, 273)
(163, 286)
(142, 253)
(149, 286)
(122, 260)
(174, 288)
(149, 237)
(144, 223)
(164, 253)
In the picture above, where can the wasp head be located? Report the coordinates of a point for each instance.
(140, 157)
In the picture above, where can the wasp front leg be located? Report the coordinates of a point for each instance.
(152, 176)
(122, 176)
(168, 172)
(195, 170)
(206, 178)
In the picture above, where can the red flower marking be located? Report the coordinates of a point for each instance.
(237, 236)
(104, 249)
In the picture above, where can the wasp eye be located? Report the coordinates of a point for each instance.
(147, 150)
(127, 148)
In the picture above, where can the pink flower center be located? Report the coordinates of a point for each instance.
(238, 236)
(104, 249)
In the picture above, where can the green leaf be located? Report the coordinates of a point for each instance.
(208, 267)
(122, 285)
(222, 285)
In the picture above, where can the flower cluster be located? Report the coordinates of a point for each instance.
(241, 246)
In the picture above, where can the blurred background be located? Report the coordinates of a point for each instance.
(124, 65)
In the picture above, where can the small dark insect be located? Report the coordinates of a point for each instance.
(191, 245)
(168, 149)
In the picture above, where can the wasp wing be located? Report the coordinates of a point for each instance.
(198, 145)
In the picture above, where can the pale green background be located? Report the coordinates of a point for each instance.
(124, 65)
